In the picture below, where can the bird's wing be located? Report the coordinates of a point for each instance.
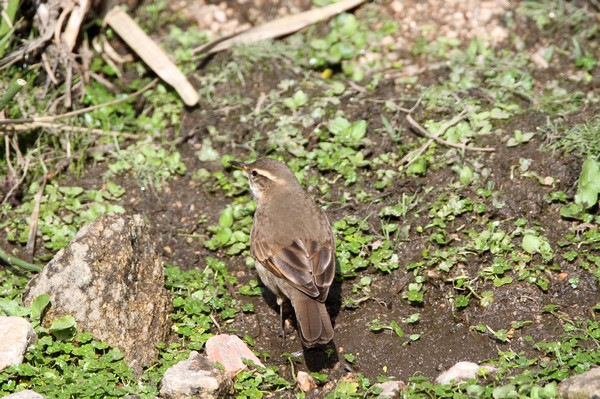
(310, 268)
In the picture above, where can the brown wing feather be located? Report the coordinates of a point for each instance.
(323, 261)
(307, 267)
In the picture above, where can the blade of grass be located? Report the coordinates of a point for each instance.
(7, 26)
(19, 263)
(11, 92)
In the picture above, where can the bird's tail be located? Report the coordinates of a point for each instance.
(313, 320)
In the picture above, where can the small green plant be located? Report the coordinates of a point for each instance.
(340, 148)
(347, 38)
(149, 164)
(519, 138)
(233, 231)
(376, 325)
(415, 292)
(588, 189)
(554, 14)
(354, 242)
(63, 210)
(297, 101)
(533, 244)
(198, 295)
(259, 381)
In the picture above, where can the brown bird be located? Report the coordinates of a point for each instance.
(293, 246)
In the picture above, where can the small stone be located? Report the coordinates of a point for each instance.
(220, 16)
(26, 394)
(17, 334)
(390, 389)
(397, 6)
(585, 386)
(462, 371)
(306, 382)
(548, 181)
(539, 60)
(563, 275)
(229, 350)
(388, 41)
(196, 377)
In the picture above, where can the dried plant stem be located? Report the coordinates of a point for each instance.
(35, 216)
(436, 137)
(446, 126)
(53, 118)
(23, 127)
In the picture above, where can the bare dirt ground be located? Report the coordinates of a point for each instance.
(446, 334)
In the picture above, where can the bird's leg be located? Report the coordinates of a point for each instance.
(282, 322)
(281, 319)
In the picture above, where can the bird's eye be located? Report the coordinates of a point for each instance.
(254, 173)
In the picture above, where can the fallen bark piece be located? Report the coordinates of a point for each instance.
(279, 27)
(155, 57)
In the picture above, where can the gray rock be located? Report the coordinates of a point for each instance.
(27, 394)
(582, 386)
(390, 389)
(229, 350)
(111, 280)
(17, 334)
(196, 377)
(462, 371)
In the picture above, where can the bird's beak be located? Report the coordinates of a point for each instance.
(238, 165)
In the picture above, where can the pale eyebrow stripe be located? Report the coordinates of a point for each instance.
(266, 174)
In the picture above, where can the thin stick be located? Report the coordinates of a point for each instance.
(17, 184)
(435, 137)
(79, 111)
(19, 263)
(35, 216)
(446, 126)
(24, 127)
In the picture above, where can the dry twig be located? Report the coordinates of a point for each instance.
(436, 137)
(23, 164)
(42, 119)
(446, 126)
(24, 127)
(35, 216)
